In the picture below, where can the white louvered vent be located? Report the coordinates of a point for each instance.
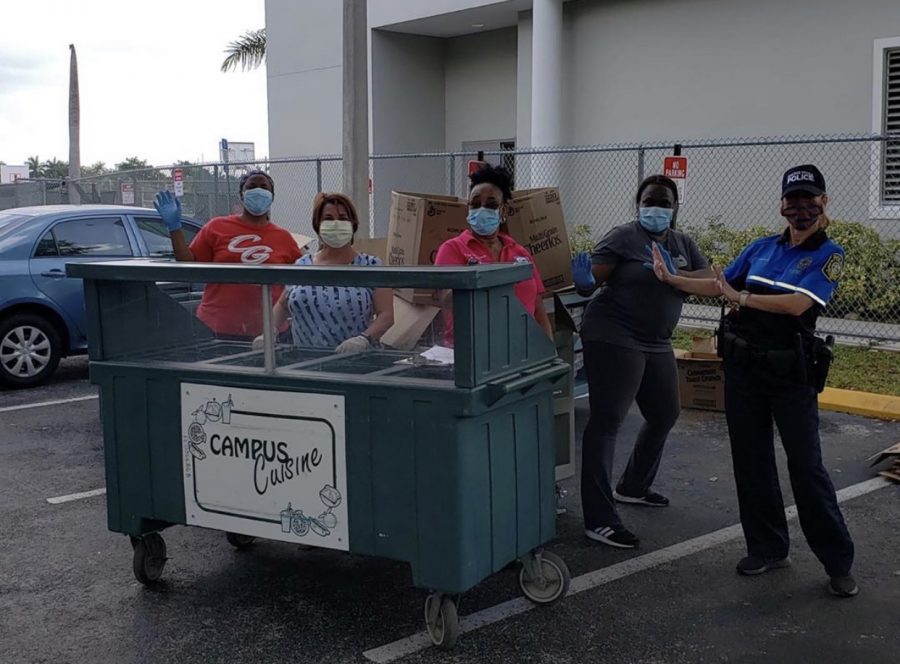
(890, 182)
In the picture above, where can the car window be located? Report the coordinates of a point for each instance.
(104, 236)
(47, 246)
(156, 235)
(10, 222)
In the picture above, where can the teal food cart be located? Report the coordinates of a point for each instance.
(449, 467)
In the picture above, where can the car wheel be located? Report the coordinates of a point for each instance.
(30, 350)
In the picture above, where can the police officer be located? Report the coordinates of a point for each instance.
(774, 366)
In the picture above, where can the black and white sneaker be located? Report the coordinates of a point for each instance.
(652, 499)
(617, 536)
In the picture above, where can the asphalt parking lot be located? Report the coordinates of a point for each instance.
(67, 593)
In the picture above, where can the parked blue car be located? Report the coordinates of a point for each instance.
(42, 317)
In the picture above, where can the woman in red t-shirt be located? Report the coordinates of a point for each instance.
(234, 311)
(486, 241)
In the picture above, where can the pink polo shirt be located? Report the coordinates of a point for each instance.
(467, 249)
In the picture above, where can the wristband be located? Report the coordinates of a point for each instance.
(366, 337)
(743, 297)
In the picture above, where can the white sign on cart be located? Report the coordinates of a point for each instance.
(265, 463)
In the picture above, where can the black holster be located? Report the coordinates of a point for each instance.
(821, 357)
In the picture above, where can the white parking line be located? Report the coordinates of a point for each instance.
(417, 642)
(41, 404)
(76, 496)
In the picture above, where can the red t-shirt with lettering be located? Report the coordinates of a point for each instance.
(466, 249)
(236, 309)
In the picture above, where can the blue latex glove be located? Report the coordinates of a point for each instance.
(169, 208)
(581, 272)
(667, 257)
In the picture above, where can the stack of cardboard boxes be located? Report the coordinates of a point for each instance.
(420, 223)
(701, 379)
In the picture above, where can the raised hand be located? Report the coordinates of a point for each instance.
(169, 208)
(581, 272)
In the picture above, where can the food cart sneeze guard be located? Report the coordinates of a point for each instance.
(450, 469)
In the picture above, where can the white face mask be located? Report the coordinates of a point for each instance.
(336, 233)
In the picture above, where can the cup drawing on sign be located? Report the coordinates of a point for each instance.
(226, 410)
(286, 515)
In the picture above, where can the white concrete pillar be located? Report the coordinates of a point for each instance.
(546, 73)
(546, 89)
(356, 108)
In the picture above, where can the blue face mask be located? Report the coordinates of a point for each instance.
(484, 221)
(257, 201)
(655, 219)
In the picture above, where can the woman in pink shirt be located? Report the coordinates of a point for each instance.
(486, 241)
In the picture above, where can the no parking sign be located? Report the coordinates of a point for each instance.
(178, 182)
(675, 168)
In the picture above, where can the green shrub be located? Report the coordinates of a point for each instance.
(870, 282)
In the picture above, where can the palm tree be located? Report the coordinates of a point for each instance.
(74, 125)
(54, 168)
(248, 51)
(97, 168)
(34, 165)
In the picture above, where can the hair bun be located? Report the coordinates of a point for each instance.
(495, 175)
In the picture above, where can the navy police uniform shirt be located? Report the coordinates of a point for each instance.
(771, 266)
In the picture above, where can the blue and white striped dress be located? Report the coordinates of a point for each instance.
(325, 316)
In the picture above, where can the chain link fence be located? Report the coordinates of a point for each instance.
(731, 197)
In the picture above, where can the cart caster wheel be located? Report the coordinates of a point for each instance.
(547, 583)
(441, 620)
(149, 558)
(239, 541)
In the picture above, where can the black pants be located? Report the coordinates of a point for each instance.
(752, 400)
(617, 377)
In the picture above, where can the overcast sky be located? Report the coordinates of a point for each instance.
(149, 79)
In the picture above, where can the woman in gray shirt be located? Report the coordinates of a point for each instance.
(628, 356)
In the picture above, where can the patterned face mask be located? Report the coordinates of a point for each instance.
(801, 217)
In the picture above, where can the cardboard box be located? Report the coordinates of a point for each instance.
(701, 380)
(374, 246)
(704, 348)
(410, 323)
(536, 222)
(419, 224)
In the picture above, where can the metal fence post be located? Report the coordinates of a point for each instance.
(641, 164)
(215, 209)
(318, 175)
(453, 175)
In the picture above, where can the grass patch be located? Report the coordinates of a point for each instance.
(855, 367)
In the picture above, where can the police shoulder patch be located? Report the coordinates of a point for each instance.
(833, 267)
